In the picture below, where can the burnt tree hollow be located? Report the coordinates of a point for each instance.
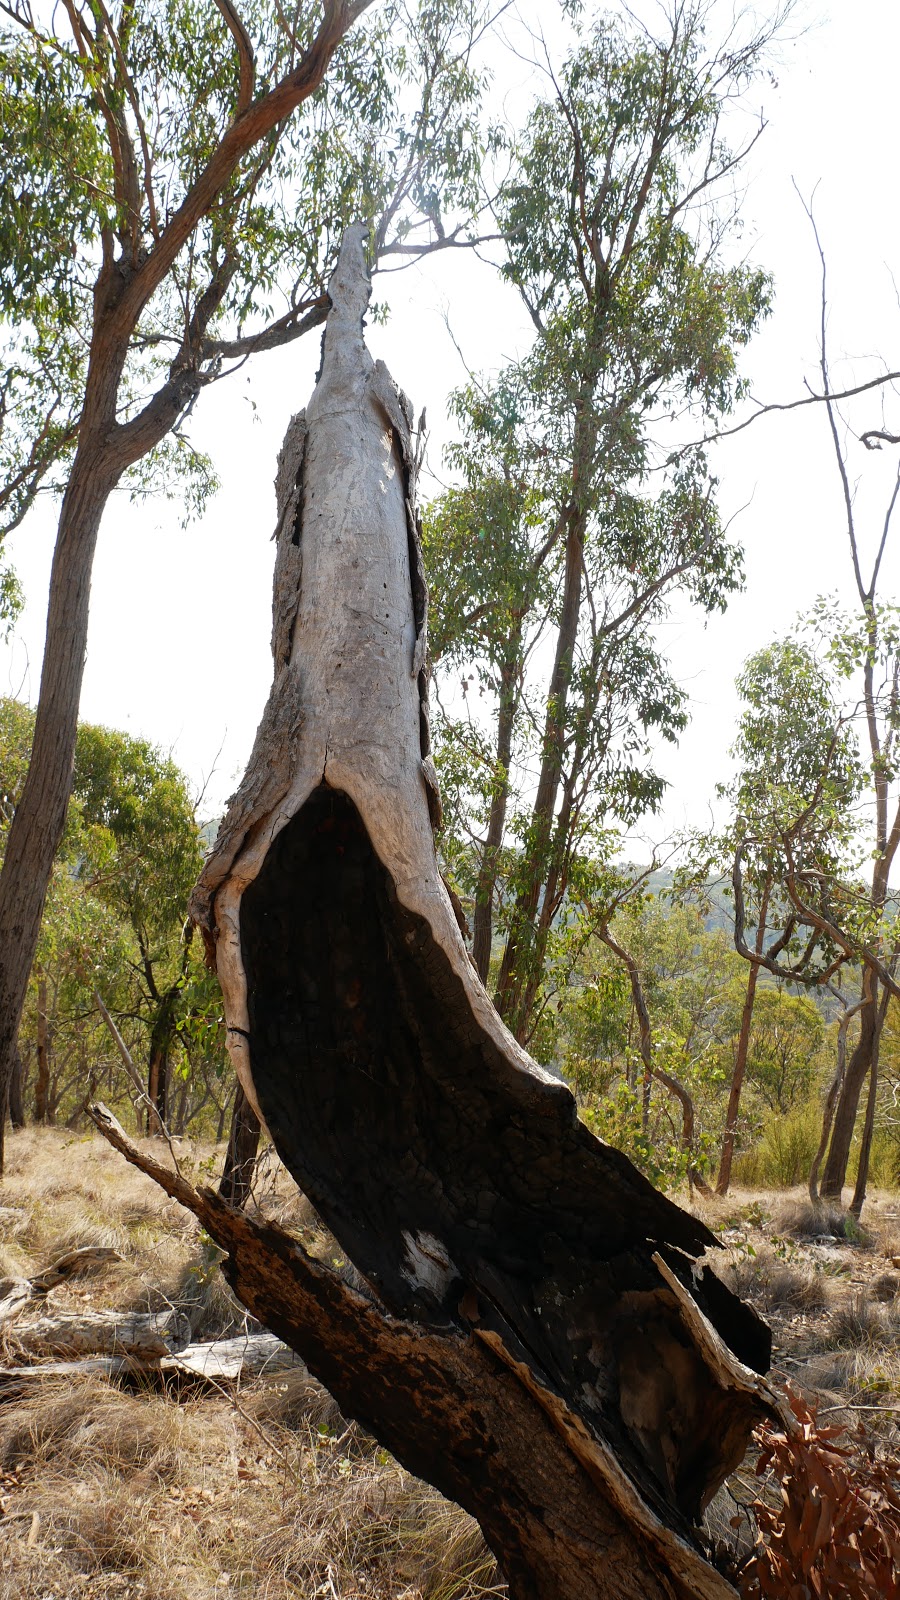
(467, 1191)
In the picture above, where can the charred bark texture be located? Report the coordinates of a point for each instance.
(457, 1408)
(453, 1170)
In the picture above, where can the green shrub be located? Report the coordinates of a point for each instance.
(784, 1152)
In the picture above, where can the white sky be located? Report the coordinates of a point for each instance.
(179, 639)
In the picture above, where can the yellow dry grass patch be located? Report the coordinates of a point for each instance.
(264, 1491)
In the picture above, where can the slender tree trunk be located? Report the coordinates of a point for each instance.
(555, 884)
(240, 1157)
(42, 1086)
(161, 1041)
(667, 1079)
(740, 1060)
(179, 1115)
(518, 954)
(831, 1099)
(835, 1174)
(37, 826)
(121, 1046)
(16, 1097)
(482, 922)
(865, 1149)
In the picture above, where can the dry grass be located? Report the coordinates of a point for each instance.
(107, 1494)
(268, 1493)
(775, 1285)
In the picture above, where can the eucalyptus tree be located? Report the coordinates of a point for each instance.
(793, 824)
(617, 222)
(193, 167)
(143, 855)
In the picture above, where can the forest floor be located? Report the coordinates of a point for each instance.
(195, 1490)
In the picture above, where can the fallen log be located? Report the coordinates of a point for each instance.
(215, 1360)
(143, 1335)
(451, 1168)
(17, 1293)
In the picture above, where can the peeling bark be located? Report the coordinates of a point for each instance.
(452, 1169)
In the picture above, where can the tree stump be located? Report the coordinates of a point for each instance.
(450, 1166)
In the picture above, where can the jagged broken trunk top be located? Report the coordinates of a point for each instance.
(452, 1168)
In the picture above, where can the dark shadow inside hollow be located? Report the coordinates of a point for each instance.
(452, 1177)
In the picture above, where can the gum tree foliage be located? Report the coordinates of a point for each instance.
(146, 854)
(555, 559)
(789, 847)
(113, 937)
(864, 650)
(173, 182)
(785, 1044)
(645, 1025)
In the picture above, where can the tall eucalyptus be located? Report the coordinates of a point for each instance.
(617, 221)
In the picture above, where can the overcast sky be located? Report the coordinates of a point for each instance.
(179, 638)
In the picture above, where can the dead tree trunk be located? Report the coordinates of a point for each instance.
(452, 1169)
(456, 1406)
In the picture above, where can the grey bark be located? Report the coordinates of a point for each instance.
(452, 1169)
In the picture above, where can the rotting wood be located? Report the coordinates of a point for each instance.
(146, 1335)
(215, 1360)
(452, 1169)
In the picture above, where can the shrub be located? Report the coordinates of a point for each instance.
(784, 1153)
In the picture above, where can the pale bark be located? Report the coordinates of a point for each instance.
(124, 1052)
(451, 1168)
(142, 1334)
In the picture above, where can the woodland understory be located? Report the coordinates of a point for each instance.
(175, 1487)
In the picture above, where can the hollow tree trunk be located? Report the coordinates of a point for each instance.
(452, 1169)
(456, 1407)
(240, 1157)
